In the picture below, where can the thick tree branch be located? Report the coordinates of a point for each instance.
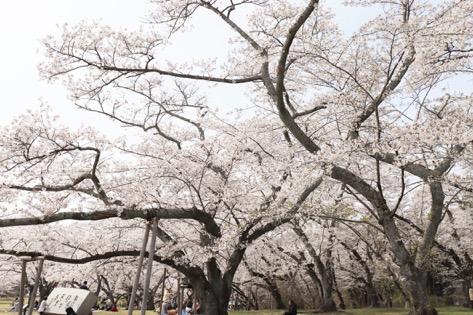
(277, 92)
(121, 213)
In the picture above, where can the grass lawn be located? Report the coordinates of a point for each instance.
(363, 311)
(5, 305)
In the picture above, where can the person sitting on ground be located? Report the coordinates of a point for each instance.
(188, 306)
(43, 306)
(292, 308)
(108, 305)
(171, 308)
(164, 308)
(14, 305)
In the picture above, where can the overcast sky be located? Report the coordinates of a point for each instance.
(24, 23)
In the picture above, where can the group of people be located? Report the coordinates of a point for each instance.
(37, 306)
(41, 307)
(170, 307)
(105, 304)
(102, 303)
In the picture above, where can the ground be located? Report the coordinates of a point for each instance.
(5, 305)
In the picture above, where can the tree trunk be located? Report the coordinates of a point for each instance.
(327, 277)
(150, 303)
(340, 298)
(328, 304)
(325, 271)
(465, 290)
(372, 295)
(270, 284)
(45, 288)
(213, 290)
(211, 302)
(315, 282)
(99, 285)
(128, 295)
(372, 298)
(274, 291)
(341, 305)
(416, 284)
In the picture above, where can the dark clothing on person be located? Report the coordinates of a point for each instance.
(292, 310)
(84, 286)
(171, 306)
(70, 311)
(171, 309)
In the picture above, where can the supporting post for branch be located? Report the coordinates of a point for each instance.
(35, 288)
(178, 295)
(162, 291)
(152, 244)
(22, 286)
(138, 271)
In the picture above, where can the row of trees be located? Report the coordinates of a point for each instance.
(351, 152)
(354, 265)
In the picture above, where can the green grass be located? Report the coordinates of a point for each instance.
(364, 311)
(5, 305)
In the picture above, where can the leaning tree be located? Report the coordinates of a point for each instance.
(374, 111)
(216, 192)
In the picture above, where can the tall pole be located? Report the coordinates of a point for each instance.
(180, 291)
(131, 303)
(36, 284)
(181, 302)
(150, 266)
(22, 286)
(162, 291)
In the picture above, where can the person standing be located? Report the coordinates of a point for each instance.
(167, 300)
(168, 295)
(470, 293)
(43, 306)
(84, 286)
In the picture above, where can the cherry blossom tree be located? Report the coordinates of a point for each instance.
(375, 112)
(208, 197)
(370, 76)
(266, 272)
(319, 266)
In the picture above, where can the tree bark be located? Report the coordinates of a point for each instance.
(270, 284)
(416, 284)
(324, 270)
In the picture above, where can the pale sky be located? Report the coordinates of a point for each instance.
(24, 23)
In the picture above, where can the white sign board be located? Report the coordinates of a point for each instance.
(80, 300)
